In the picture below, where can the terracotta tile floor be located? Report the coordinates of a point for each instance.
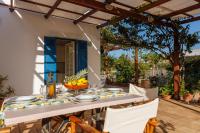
(177, 119)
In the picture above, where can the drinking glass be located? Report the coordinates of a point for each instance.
(43, 91)
(59, 87)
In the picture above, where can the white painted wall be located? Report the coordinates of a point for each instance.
(21, 47)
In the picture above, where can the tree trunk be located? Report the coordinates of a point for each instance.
(176, 77)
(153, 70)
(176, 66)
(136, 66)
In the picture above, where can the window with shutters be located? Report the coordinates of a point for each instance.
(64, 57)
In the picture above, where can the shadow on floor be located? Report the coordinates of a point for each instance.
(31, 127)
(164, 127)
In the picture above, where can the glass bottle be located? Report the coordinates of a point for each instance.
(51, 87)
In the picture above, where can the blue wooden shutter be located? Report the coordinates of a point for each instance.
(81, 55)
(49, 57)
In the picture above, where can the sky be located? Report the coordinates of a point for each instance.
(194, 27)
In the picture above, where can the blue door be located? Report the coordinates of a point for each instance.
(81, 55)
(50, 64)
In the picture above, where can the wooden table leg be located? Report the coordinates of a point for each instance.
(46, 125)
(65, 120)
(98, 122)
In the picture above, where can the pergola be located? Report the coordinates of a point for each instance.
(105, 12)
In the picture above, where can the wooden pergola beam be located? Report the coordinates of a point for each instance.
(52, 8)
(11, 6)
(86, 15)
(131, 8)
(152, 5)
(60, 9)
(170, 10)
(139, 10)
(16, 7)
(165, 8)
(92, 4)
(190, 20)
(115, 10)
(125, 5)
(181, 11)
(89, 13)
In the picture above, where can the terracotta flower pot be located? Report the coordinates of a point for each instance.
(167, 97)
(196, 97)
(188, 97)
(145, 83)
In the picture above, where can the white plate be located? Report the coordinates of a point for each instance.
(24, 98)
(88, 100)
(86, 97)
(115, 89)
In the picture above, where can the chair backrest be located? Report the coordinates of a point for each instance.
(133, 89)
(131, 119)
(138, 91)
(146, 93)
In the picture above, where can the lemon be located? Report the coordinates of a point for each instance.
(74, 82)
(82, 79)
(79, 84)
(85, 81)
(69, 83)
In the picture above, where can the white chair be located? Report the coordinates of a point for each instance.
(125, 120)
(146, 93)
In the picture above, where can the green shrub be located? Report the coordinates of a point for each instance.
(125, 70)
(166, 90)
(5, 91)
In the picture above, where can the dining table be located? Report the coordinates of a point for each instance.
(44, 111)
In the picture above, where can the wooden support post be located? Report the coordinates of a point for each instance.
(136, 66)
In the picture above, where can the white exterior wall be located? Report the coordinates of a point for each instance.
(21, 47)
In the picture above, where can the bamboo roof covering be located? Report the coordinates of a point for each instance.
(102, 12)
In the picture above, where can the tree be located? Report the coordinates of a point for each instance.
(107, 63)
(168, 42)
(153, 59)
(124, 69)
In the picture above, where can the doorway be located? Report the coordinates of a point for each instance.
(65, 55)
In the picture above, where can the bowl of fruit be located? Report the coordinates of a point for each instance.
(76, 82)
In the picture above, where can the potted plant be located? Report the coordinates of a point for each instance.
(165, 92)
(5, 90)
(196, 96)
(182, 90)
(187, 97)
